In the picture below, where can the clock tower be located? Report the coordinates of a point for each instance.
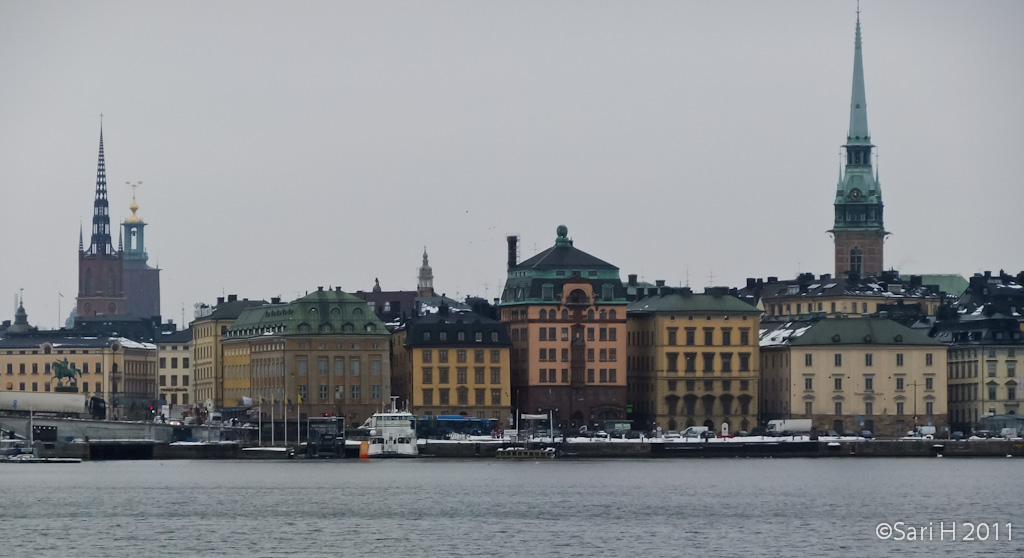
(858, 231)
(100, 268)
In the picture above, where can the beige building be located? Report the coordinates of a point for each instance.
(693, 360)
(983, 372)
(325, 352)
(208, 331)
(174, 355)
(851, 374)
(453, 364)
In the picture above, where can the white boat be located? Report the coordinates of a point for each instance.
(392, 433)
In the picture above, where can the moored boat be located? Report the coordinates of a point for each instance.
(392, 433)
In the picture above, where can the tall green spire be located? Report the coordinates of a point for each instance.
(858, 133)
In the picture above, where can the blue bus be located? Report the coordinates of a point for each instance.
(441, 427)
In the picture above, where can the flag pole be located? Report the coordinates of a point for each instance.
(261, 422)
(273, 403)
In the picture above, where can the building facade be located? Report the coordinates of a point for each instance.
(174, 356)
(566, 314)
(208, 330)
(141, 282)
(453, 364)
(693, 360)
(851, 374)
(324, 353)
(858, 231)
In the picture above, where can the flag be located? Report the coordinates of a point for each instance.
(300, 398)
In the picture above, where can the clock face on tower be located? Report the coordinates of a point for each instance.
(111, 308)
(87, 308)
(855, 194)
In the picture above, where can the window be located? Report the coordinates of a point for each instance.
(991, 369)
(478, 355)
(604, 355)
(495, 397)
(339, 394)
(991, 392)
(442, 374)
(174, 362)
(428, 397)
(869, 408)
(163, 362)
(612, 375)
(375, 391)
(869, 383)
(551, 375)
(443, 397)
(463, 397)
(590, 334)
(726, 362)
(356, 395)
(691, 362)
(838, 384)
(929, 408)
(302, 392)
(460, 356)
(442, 355)
(184, 382)
(839, 407)
(442, 336)
(460, 374)
(671, 336)
(324, 391)
(744, 337)
(353, 366)
(929, 383)
(565, 355)
(428, 355)
(690, 333)
(807, 359)
(808, 384)
(899, 407)
(565, 334)
(322, 364)
(709, 334)
(868, 360)
(163, 380)
(899, 359)
(709, 362)
(428, 375)
(375, 367)
(478, 374)
(744, 362)
(709, 385)
(807, 408)
(928, 359)
(565, 375)
(603, 375)
(495, 375)
(302, 367)
(838, 359)
(543, 334)
(590, 355)
(478, 397)
(174, 381)
(603, 334)
(1011, 369)
(726, 336)
(899, 385)
(673, 359)
(1011, 393)
(495, 356)
(590, 375)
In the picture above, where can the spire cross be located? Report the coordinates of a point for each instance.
(134, 186)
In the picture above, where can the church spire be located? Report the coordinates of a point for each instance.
(101, 243)
(858, 133)
(425, 282)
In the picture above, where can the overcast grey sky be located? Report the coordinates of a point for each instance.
(284, 146)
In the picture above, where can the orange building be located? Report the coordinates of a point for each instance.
(566, 313)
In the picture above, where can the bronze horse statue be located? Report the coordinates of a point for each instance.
(62, 370)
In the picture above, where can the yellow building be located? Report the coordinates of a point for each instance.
(853, 374)
(208, 332)
(851, 297)
(325, 352)
(174, 352)
(693, 360)
(453, 364)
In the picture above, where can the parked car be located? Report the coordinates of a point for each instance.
(957, 435)
(866, 434)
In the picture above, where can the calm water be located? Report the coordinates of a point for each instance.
(434, 507)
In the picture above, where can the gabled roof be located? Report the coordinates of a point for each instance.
(844, 332)
(686, 301)
(564, 257)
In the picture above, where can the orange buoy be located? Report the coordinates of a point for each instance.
(364, 450)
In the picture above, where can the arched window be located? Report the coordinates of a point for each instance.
(604, 314)
(110, 282)
(357, 313)
(87, 287)
(543, 314)
(590, 314)
(565, 314)
(611, 314)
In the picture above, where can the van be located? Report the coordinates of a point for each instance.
(694, 432)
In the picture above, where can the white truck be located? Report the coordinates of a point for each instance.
(781, 427)
(54, 402)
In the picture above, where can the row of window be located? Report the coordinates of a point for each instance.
(604, 334)
(172, 399)
(355, 392)
(725, 336)
(869, 384)
(970, 369)
(174, 362)
(725, 405)
(602, 314)
(46, 386)
(869, 359)
(969, 392)
(462, 396)
(339, 366)
(460, 336)
(603, 375)
(869, 408)
(460, 356)
(602, 355)
(690, 361)
(174, 380)
(708, 385)
(461, 375)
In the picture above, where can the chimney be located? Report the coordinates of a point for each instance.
(659, 282)
(220, 300)
(513, 240)
(773, 279)
(751, 282)
(232, 298)
(320, 289)
(632, 279)
(275, 300)
(442, 310)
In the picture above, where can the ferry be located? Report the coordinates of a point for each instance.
(393, 433)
